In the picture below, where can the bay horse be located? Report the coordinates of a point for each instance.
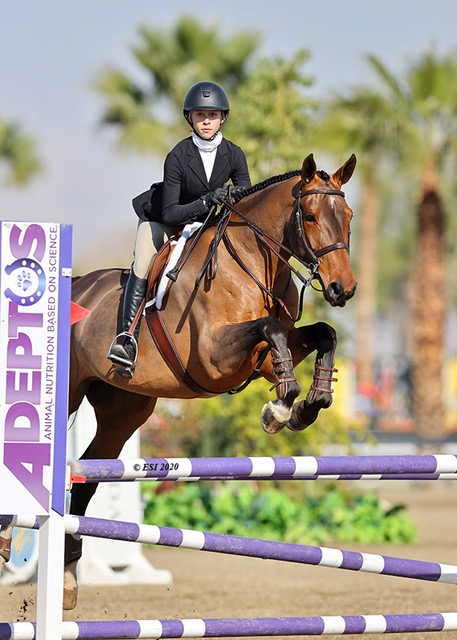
(232, 326)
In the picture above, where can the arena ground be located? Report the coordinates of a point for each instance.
(213, 585)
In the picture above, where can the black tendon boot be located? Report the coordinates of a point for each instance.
(124, 348)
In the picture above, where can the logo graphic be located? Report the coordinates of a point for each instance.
(26, 282)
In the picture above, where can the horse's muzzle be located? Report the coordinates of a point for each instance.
(336, 296)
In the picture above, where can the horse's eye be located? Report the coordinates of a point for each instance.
(310, 217)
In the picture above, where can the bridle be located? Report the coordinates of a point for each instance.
(313, 265)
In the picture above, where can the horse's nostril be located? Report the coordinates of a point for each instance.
(335, 290)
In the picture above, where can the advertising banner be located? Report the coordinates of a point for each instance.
(35, 289)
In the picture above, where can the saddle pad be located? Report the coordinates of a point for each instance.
(175, 249)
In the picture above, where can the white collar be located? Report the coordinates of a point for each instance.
(207, 145)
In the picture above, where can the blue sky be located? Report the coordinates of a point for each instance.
(50, 52)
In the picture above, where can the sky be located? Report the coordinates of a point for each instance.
(51, 51)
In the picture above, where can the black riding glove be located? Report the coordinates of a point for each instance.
(236, 190)
(217, 196)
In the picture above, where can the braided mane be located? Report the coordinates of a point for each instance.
(269, 181)
(266, 183)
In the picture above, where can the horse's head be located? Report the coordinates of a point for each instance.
(322, 219)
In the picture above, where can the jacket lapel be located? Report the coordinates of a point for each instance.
(196, 164)
(220, 164)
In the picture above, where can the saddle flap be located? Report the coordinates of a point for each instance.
(157, 269)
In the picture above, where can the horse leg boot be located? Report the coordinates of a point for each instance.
(321, 337)
(123, 351)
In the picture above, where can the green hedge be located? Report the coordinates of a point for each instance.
(238, 508)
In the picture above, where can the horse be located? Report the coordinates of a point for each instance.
(227, 323)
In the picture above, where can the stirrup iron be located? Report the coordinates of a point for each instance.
(118, 359)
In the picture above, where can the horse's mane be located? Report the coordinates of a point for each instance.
(266, 183)
(269, 181)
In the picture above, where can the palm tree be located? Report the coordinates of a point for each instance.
(357, 121)
(148, 114)
(18, 159)
(273, 115)
(416, 118)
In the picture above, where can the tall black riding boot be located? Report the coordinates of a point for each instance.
(123, 351)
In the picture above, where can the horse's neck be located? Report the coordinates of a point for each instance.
(269, 213)
(270, 210)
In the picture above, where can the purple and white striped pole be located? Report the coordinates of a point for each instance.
(239, 627)
(327, 478)
(252, 547)
(266, 467)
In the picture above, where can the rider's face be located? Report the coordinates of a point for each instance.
(206, 123)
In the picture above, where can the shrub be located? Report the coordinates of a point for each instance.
(238, 508)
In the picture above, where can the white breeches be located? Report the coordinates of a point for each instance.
(150, 237)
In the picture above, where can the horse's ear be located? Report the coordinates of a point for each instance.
(345, 172)
(308, 169)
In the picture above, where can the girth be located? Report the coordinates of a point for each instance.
(169, 353)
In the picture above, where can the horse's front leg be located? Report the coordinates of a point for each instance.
(240, 339)
(302, 341)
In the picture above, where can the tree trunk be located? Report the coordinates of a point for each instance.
(429, 313)
(367, 286)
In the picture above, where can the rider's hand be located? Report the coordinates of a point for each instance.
(235, 190)
(218, 196)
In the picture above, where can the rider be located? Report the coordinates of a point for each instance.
(195, 178)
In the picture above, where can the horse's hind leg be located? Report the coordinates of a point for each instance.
(240, 339)
(119, 414)
(6, 537)
(304, 340)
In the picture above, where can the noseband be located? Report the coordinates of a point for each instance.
(315, 255)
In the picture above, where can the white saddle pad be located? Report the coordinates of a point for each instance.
(178, 248)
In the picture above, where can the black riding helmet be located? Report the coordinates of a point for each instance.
(203, 96)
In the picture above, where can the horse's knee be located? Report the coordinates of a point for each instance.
(326, 338)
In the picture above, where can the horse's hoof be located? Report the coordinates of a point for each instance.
(302, 416)
(293, 425)
(271, 423)
(70, 598)
(70, 586)
(5, 550)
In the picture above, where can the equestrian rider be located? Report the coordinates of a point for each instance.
(196, 172)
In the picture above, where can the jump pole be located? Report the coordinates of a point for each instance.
(35, 289)
(250, 547)
(240, 627)
(266, 467)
